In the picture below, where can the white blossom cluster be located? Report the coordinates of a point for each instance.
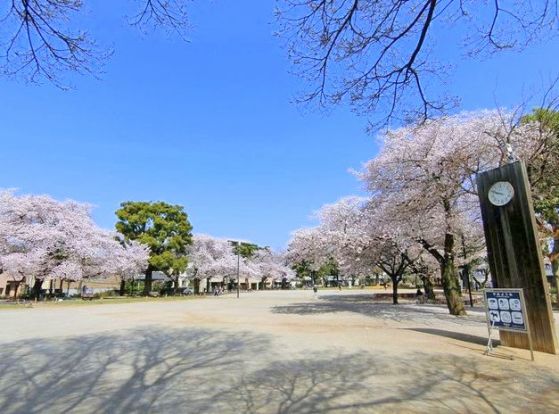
(422, 198)
(44, 238)
(215, 259)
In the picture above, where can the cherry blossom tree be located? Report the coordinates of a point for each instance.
(19, 267)
(214, 258)
(41, 237)
(345, 229)
(272, 266)
(308, 249)
(364, 239)
(423, 207)
(424, 178)
(209, 258)
(129, 259)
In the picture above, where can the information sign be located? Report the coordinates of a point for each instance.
(505, 309)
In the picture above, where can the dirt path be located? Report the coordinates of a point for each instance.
(273, 352)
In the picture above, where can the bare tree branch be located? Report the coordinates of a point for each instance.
(374, 55)
(171, 14)
(39, 40)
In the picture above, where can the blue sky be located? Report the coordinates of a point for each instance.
(210, 124)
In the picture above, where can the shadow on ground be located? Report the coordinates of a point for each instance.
(364, 383)
(141, 370)
(368, 306)
(203, 371)
(473, 339)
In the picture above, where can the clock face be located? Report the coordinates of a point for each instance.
(500, 193)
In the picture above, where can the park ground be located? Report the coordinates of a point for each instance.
(266, 352)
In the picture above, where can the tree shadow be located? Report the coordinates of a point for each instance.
(365, 383)
(366, 305)
(205, 371)
(138, 370)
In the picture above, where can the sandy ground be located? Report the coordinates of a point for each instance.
(267, 352)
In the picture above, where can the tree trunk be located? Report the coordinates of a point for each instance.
(147, 281)
(449, 274)
(428, 287)
(37, 286)
(176, 284)
(395, 282)
(122, 286)
(451, 287)
(16, 289)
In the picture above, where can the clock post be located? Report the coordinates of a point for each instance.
(514, 250)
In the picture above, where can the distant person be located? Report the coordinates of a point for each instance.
(315, 290)
(339, 287)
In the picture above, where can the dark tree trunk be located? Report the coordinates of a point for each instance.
(147, 281)
(451, 287)
(428, 287)
(37, 286)
(196, 283)
(16, 289)
(449, 274)
(395, 282)
(122, 287)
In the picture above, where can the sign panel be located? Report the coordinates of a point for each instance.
(505, 309)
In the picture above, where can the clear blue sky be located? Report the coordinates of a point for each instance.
(209, 124)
